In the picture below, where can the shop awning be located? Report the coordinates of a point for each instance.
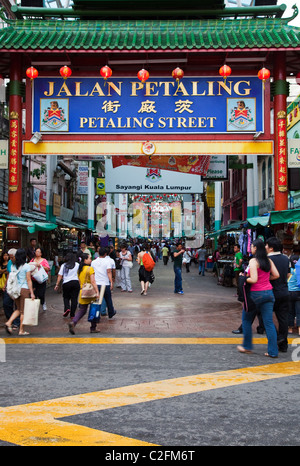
(78, 226)
(262, 221)
(41, 226)
(285, 216)
(226, 228)
(275, 217)
(32, 227)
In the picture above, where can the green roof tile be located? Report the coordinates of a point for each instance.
(149, 35)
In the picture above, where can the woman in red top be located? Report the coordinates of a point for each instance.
(261, 271)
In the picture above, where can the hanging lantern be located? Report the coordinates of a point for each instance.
(65, 72)
(143, 75)
(225, 71)
(106, 73)
(177, 74)
(263, 74)
(32, 73)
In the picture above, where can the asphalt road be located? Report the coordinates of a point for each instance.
(137, 384)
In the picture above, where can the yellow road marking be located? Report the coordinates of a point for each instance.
(132, 341)
(39, 424)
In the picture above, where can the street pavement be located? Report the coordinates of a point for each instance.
(163, 373)
(205, 308)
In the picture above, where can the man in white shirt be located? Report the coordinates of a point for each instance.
(103, 276)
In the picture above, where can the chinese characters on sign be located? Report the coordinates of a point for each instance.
(13, 152)
(282, 152)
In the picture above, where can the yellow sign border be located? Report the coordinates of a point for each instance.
(171, 147)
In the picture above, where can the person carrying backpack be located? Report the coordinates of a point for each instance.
(144, 274)
(22, 286)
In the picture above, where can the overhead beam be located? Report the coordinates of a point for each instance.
(227, 12)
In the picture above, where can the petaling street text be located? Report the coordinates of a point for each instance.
(148, 122)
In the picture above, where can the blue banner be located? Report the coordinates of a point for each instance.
(195, 105)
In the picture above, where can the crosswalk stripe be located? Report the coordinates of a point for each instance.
(74, 340)
(40, 424)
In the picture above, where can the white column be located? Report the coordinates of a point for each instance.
(91, 199)
(218, 207)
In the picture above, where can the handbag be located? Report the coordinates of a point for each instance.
(244, 293)
(31, 311)
(87, 290)
(94, 312)
(40, 274)
(2, 281)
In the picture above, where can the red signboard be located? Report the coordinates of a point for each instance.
(13, 152)
(282, 152)
(196, 165)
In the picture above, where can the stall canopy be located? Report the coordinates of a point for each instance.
(285, 216)
(259, 221)
(275, 217)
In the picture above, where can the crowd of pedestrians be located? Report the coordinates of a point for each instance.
(272, 277)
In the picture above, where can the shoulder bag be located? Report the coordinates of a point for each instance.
(87, 290)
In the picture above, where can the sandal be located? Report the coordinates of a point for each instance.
(269, 356)
(8, 329)
(241, 349)
(24, 333)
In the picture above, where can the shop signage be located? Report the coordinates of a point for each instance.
(197, 105)
(82, 179)
(293, 153)
(193, 164)
(4, 154)
(218, 168)
(100, 186)
(39, 200)
(128, 179)
(56, 204)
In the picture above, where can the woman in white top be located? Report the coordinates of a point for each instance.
(24, 280)
(71, 287)
(186, 259)
(126, 262)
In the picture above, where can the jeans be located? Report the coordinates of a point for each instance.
(108, 300)
(178, 280)
(201, 267)
(264, 301)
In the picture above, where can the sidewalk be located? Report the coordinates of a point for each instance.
(205, 309)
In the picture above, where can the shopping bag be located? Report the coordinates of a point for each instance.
(31, 311)
(94, 312)
(40, 274)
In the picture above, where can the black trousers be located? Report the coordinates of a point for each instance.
(70, 296)
(39, 290)
(281, 309)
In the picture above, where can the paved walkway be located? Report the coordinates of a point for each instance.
(205, 309)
